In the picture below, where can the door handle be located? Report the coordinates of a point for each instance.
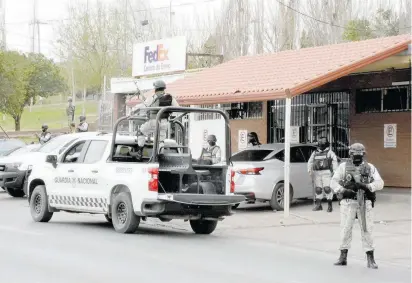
(95, 171)
(70, 171)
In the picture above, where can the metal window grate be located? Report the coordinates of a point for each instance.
(246, 110)
(316, 114)
(383, 100)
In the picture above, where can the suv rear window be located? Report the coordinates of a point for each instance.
(251, 155)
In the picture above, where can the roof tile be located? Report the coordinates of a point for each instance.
(267, 76)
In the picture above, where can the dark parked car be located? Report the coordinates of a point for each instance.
(7, 146)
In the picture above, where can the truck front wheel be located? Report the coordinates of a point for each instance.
(203, 227)
(39, 205)
(123, 217)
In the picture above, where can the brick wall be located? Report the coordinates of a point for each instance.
(394, 164)
(251, 125)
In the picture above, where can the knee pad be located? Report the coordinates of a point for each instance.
(318, 190)
(328, 190)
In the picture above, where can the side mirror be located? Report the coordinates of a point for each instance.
(51, 159)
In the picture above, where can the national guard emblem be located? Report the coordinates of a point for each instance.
(348, 177)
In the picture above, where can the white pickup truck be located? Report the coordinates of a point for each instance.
(101, 175)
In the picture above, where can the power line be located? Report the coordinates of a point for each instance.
(321, 21)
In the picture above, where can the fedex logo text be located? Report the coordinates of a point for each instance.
(158, 55)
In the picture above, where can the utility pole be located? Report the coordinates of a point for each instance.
(124, 67)
(3, 45)
(170, 18)
(34, 25)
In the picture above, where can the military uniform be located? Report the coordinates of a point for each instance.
(149, 127)
(45, 135)
(83, 126)
(212, 153)
(70, 113)
(321, 165)
(349, 180)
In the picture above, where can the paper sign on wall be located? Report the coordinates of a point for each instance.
(294, 134)
(389, 136)
(205, 134)
(242, 139)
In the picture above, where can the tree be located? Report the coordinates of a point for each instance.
(26, 77)
(357, 30)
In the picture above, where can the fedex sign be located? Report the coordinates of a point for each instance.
(159, 56)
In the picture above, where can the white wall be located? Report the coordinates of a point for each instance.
(197, 134)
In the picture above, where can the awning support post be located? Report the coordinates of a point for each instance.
(286, 201)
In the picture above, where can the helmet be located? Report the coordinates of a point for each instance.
(159, 84)
(82, 118)
(357, 149)
(211, 138)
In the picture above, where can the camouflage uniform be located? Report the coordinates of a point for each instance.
(70, 112)
(321, 165)
(343, 184)
(212, 153)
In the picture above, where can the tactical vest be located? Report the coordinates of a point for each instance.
(322, 161)
(363, 172)
(158, 101)
(209, 153)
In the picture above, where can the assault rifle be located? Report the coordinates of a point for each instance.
(360, 196)
(361, 201)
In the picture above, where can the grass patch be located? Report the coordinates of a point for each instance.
(52, 115)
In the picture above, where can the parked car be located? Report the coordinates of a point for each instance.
(14, 168)
(9, 145)
(260, 173)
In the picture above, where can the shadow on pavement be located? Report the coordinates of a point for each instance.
(152, 229)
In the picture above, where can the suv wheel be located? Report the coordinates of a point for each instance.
(15, 192)
(39, 205)
(204, 227)
(123, 217)
(277, 200)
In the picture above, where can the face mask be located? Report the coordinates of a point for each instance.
(357, 159)
(252, 139)
(322, 146)
(211, 143)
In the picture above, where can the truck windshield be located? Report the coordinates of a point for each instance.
(56, 143)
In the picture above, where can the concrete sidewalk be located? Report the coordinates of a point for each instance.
(320, 231)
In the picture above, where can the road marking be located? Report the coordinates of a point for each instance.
(11, 229)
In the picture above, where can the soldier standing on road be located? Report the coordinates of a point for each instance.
(321, 165)
(70, 112)
(83, 126)
(211, 154)
(45, 135)
(350, 177)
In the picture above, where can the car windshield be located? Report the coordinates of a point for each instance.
(57, 142)
(7, 146)
(251, 155)
(23, 150)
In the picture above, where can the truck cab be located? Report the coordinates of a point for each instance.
(101, 174)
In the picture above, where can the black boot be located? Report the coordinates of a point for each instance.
(330, 206)
(371, 260)
(343, 259)
(318, 205)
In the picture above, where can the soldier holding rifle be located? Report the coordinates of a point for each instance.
(355, 182)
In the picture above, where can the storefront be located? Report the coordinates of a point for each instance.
(351, 92)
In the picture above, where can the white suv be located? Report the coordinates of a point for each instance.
(100, 175)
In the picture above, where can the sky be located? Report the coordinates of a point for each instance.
(19, 14)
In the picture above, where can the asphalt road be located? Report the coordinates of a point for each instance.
(82, 248)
